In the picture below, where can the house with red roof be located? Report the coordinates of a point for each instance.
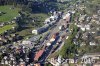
(38, 54)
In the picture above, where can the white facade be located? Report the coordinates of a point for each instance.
(66, 16)
(87, 27)
(92, 43)
(71, 60)
(52, 18)
(26, 42)
(34, 32)
(84, 27)
(47, 21)
(48, 44)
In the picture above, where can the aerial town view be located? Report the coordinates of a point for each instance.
(49, 32)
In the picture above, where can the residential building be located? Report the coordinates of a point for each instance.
(84, 27)
(37, 64)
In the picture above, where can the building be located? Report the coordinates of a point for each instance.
(1, 24)
(92, 43)
(28, 43)
(41, 29)
(34, 38)
(37, 64)
(38, 55)
(50, 19)
(67, 17)
(82, 18)
(87, 27)
(84, 27)
(47, 21)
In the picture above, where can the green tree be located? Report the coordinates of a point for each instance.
(48, 64)
(69, 49)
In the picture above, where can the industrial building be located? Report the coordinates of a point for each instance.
(41, 29)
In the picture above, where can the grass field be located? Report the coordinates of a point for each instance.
(7, 27)
(9, 13)
(40, 16)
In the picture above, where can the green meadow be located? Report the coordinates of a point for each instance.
(8, 13)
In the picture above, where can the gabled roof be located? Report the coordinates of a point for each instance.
(38, 54)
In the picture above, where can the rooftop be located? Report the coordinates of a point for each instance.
(38, 54)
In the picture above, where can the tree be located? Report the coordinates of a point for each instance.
(12, 2)
(48, 64)
(1, 57)
(69, 49)
(96, 1)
